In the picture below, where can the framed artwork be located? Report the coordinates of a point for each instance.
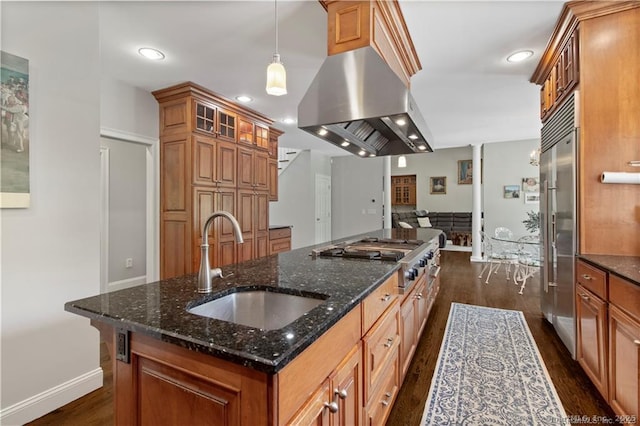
(530, 184)
(465, 172)
(438, 184)
(14, 142)
(512, 191)
(531, 197)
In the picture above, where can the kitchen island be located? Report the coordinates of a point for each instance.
(233, 374)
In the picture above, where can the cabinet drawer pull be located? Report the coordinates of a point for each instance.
(636, 342)
(587, 277)
(585, 297)
(386, 297)
(332, 406)
(342, 394)
(389, 342)
(386, 403)
(419, 296)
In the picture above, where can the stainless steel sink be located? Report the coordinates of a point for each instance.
(266, 310)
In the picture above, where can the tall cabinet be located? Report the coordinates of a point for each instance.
(594, 50)
(214, 155)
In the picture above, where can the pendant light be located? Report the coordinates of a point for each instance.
(276, 74)
(402, 161)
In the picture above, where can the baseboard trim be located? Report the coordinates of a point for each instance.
(129, 282)
(477, 259)
(47, 401)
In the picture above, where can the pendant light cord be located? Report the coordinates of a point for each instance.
(276, 8)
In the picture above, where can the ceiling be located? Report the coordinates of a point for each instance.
(466, 90)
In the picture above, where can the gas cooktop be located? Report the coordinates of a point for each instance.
(370, 248)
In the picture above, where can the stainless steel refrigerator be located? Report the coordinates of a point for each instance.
(558, 184)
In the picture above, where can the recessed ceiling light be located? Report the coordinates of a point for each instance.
(322, 132)
(244, 98)
(401, 122)
(289, 120)
(372, 155)
(413, 137)
(345, 143)
(520, 56)
(151, 53)
(422, 147)
(362, 152)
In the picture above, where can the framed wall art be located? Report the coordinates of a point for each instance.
(438, 184)
(14, 141)
(512, 191)
(465, 172)
(530, 184)
(531, 197)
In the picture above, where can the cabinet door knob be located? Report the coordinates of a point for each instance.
(332, 406)
(342, 394)
(587, 277)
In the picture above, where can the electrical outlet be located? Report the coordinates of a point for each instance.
(128, 262)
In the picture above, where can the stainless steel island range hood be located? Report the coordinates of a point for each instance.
(357, 102)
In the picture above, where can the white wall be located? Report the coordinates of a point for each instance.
(506, 163)
(356, 195)
(50, 251)
(441, 162)
(128, 109)
(296, 197)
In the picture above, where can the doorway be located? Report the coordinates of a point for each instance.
(129, 210)
(323, 208)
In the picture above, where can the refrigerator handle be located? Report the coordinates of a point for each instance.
(549, 246)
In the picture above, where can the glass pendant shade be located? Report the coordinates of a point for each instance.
(402, 161)
(276, 77)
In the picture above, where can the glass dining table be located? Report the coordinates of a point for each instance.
(529, 258)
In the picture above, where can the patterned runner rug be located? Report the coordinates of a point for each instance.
(489, 372)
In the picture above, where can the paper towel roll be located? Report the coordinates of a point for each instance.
(619, 177)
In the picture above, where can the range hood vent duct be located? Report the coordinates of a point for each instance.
(358, 103)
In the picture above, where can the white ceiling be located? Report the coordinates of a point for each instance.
(466, 90)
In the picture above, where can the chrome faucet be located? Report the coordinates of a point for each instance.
(206, 274)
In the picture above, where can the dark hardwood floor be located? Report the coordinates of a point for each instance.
(459, 283)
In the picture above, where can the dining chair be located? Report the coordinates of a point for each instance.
(529, 259)
(502, 250)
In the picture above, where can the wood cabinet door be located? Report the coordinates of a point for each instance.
(624, 364)
(226, 163)
(227, 125)
(245, 167)
(421, 300)
(273, 180)
(261, 171)
(408, 317)
(314, 412)
(591, 321)
(347, 389)
(245, 217)
(204, 160)
(262, 137)
(245, 131)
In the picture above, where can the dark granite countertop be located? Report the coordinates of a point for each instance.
(159, 309)
(627, 267)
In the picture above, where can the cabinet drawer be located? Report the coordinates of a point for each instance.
(381, 402)
(280, 245)
(277, 233)
(625, 295)
(378, 301)
(379, 346)
(592, 278)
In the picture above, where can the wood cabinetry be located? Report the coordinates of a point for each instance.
(591, 323)
(164, 384)
(211, 151)
(594, 49)
(624, 346)
(279, 240)
(414, 316)
(608, 336)
(403, 190)
(376, 23)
